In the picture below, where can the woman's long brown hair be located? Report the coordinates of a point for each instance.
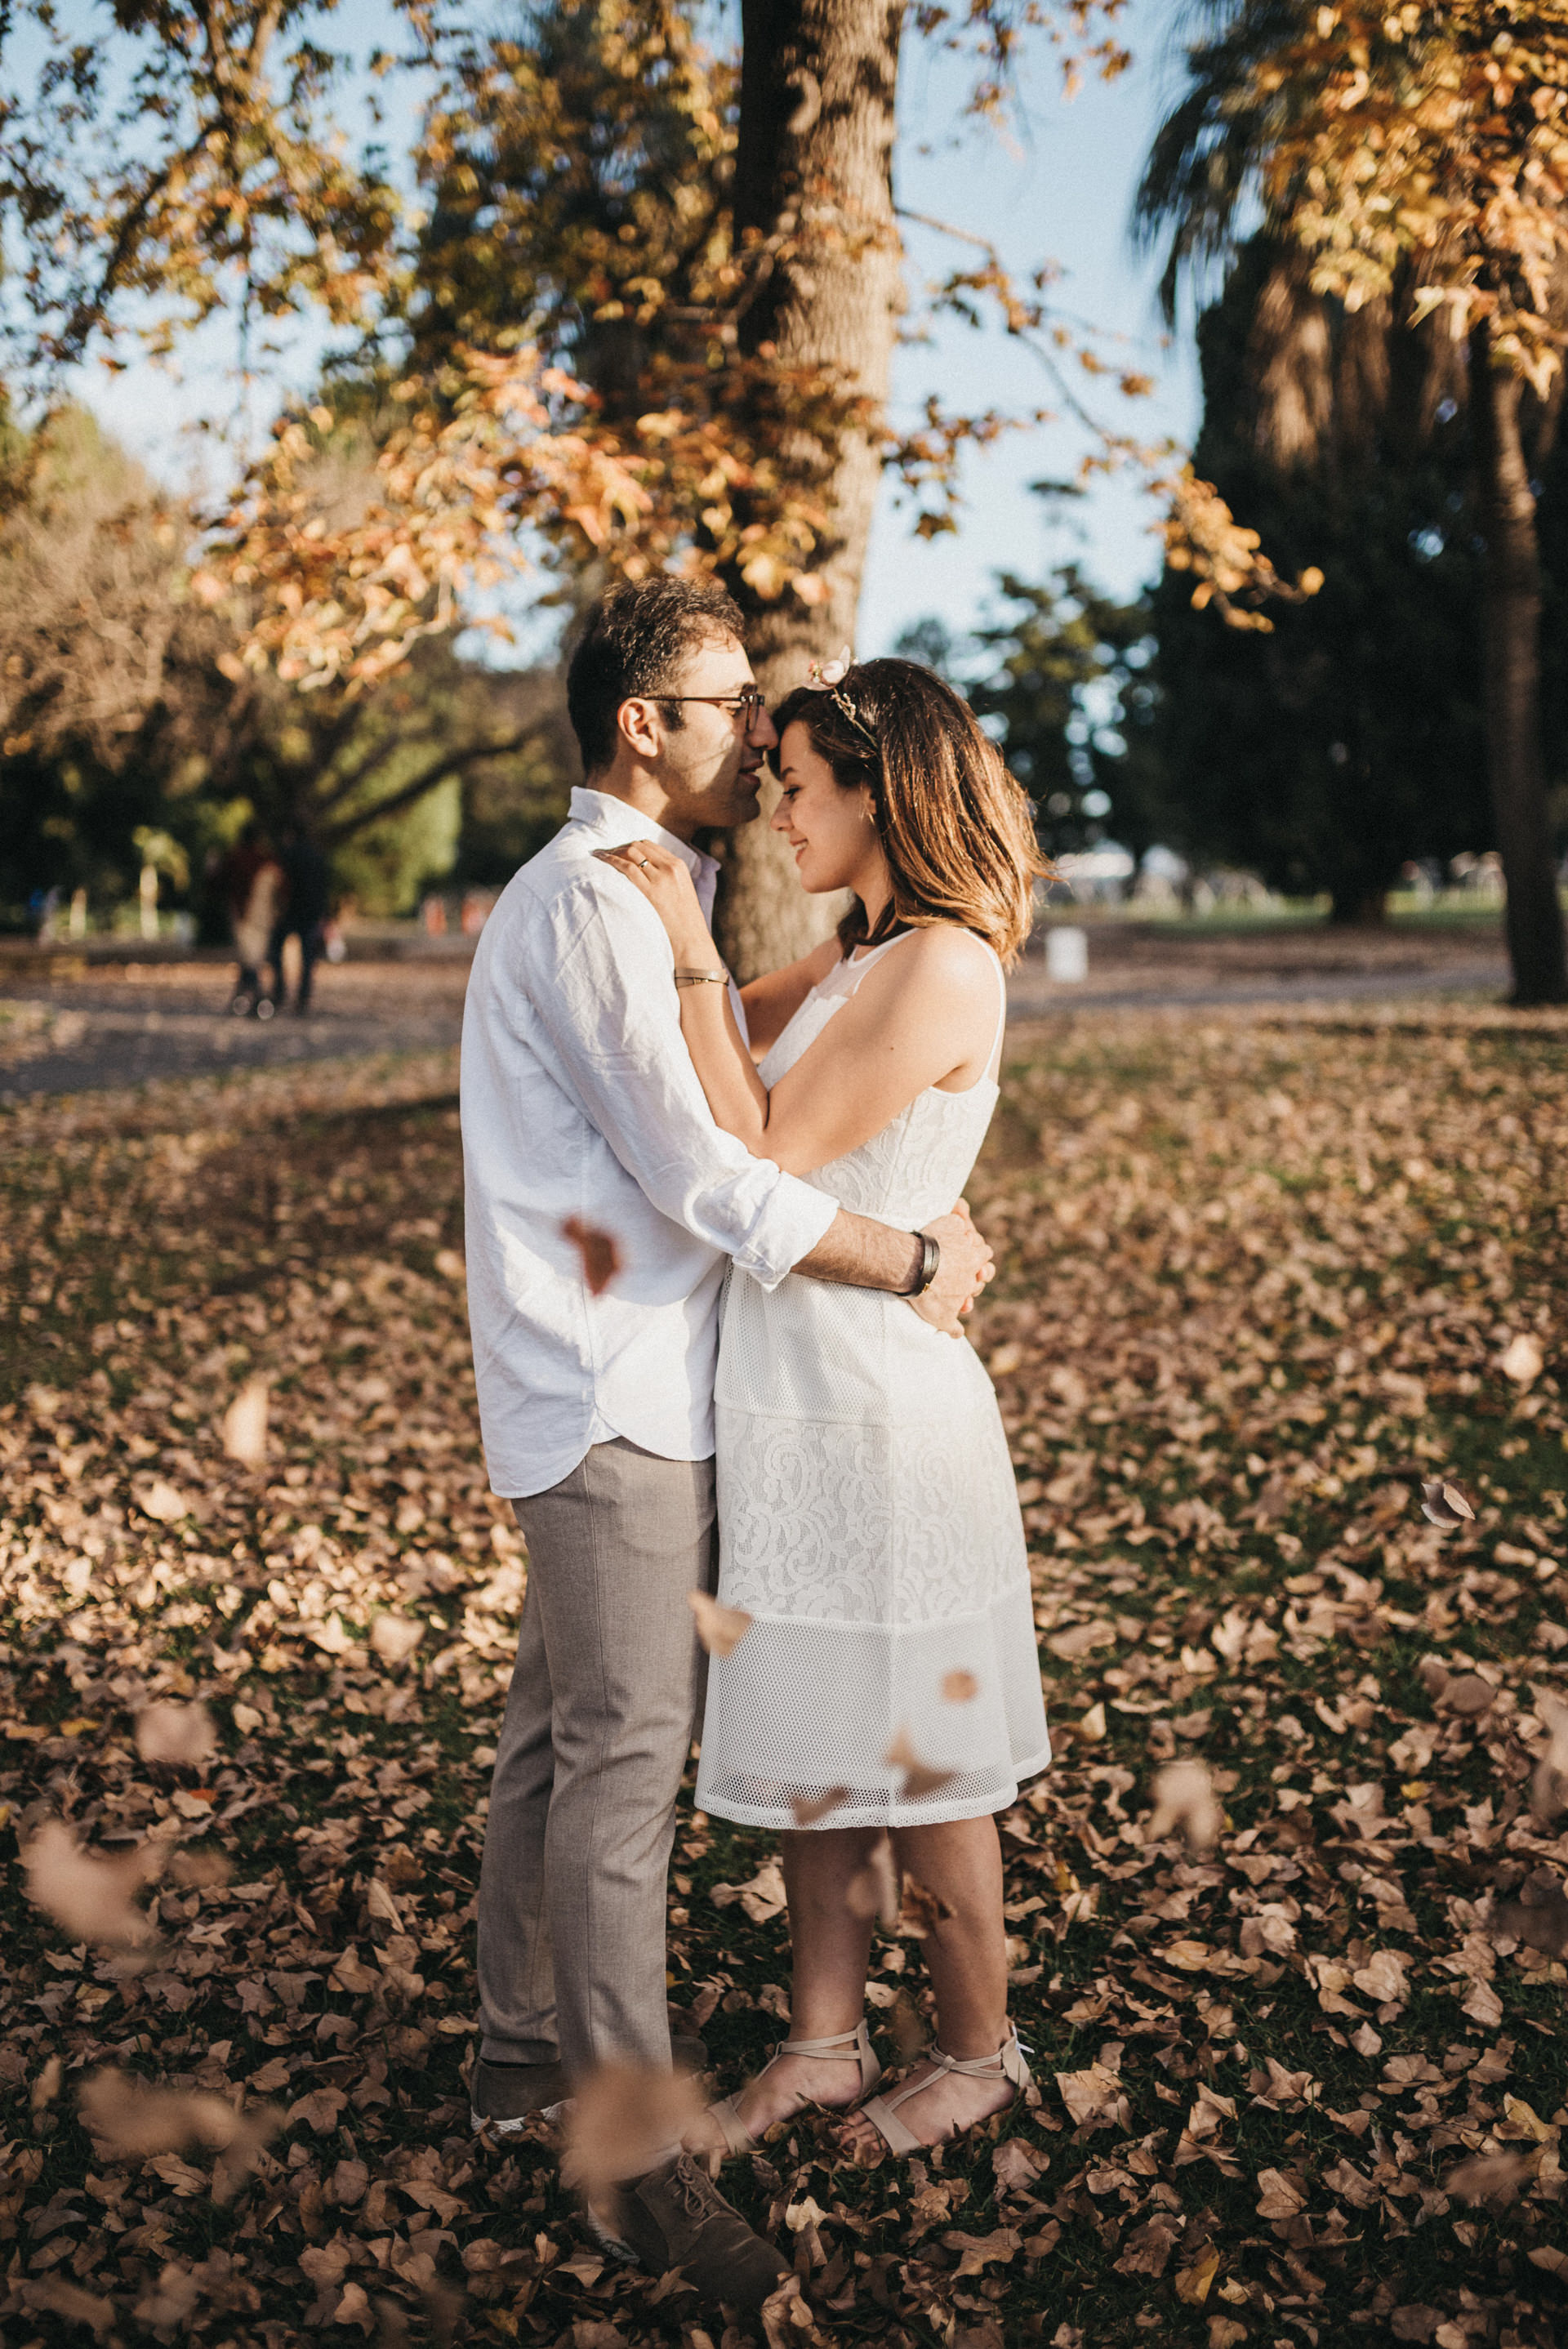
(955, 827)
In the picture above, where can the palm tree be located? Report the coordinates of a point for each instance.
(1326, 374)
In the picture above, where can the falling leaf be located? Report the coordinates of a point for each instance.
(130, 2120)
(921, 1909)
(1184, 1799)
(393, 1638)
(1549, 1787)
(600, 1252)
(720, 1628)
(244, 1428)
(1497, 2178)
(873, 1890)
(808, 1809)
(623, 2120)
(1444, 1503)
(180, 1735)
(92, 1899)
(163, 1502)
(61, 2298)
(1523, 1362)
(190, 1867)
(918, 1781)
(959, 1688)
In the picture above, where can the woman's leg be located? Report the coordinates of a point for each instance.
(831, 1946)
(959, 1860)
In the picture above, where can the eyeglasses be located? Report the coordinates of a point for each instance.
(745, 702)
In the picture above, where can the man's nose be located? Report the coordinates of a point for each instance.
(762, 732)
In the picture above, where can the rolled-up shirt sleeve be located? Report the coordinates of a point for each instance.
(601, 988)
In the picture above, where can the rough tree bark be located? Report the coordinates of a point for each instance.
(814, 178)
(1533, 918)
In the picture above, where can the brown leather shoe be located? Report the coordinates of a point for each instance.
(509, 2096)
(675, 2217)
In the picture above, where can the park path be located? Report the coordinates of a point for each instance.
(67, 1027)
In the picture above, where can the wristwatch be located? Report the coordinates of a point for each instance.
(930, 1264)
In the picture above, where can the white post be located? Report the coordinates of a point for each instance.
(1067, 956)
(149, 901)
(78, 912)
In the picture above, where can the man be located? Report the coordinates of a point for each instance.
(583, 1115)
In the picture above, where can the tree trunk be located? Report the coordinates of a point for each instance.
(814, 172)
(1512, 590)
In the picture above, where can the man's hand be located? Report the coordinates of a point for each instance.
(968, 1264)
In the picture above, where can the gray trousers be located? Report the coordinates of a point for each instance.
(599, 1722)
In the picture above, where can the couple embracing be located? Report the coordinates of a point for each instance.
(771, 1399)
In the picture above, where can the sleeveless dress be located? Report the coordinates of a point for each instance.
(868, 1517)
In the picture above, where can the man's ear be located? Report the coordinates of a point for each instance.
(638, 723)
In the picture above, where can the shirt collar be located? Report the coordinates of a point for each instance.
(616, 821)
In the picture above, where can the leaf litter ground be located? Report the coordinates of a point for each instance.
(1259, 1281)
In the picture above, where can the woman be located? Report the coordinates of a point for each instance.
(868, 1523)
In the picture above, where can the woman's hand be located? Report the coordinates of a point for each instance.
(669, 887)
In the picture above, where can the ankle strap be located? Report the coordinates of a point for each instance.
(1007, 2063)
(851, 2041)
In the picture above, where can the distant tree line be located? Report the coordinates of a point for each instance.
(131, 734)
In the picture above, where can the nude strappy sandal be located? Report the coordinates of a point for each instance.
(737, 2138)
(1007, 2063)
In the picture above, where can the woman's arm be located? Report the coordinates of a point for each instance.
(926, 1013)
(724, 1068)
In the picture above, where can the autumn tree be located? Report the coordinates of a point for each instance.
(1413, 167)
(649, 323)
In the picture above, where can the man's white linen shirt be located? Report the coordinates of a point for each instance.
(579, 1100)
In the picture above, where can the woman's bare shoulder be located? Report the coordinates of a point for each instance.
(944, 954)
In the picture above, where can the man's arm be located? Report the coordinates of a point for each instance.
(862, 1254)
(601, 985)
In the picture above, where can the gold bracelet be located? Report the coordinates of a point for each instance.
(702, 978)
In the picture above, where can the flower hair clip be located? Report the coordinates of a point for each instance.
(823, 676)
(828, 677)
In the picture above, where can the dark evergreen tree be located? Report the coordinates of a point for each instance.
(1324, 755)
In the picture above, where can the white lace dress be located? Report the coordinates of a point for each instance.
(868, 1517)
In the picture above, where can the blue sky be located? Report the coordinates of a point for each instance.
(1059, 184)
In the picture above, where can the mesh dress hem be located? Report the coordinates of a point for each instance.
(866, 1810)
